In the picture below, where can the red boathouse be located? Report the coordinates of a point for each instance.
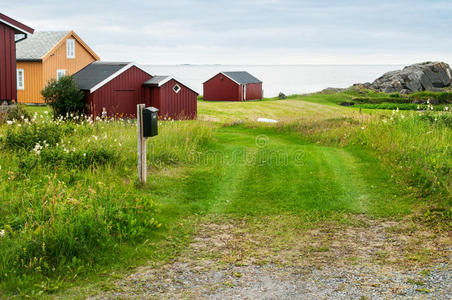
(233, 86)
(173, 99)
(118, 87)
(8, 30)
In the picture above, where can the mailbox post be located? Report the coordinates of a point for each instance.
(147, 123)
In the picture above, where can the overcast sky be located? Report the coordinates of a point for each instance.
(250, 31)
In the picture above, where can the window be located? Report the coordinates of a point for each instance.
(70, 48)
(60, 73)
(176, 88)
(20, 79)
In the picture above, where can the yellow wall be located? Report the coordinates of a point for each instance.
(33, 82)
(48, 67)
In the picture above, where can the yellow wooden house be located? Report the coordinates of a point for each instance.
(46, 55)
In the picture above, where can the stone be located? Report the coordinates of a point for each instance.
(282, 96)
(430, 76)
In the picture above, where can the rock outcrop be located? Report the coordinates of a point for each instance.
(432, 76)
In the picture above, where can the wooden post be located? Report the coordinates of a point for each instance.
(141, 145)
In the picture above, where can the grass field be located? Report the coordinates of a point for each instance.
(72, 213)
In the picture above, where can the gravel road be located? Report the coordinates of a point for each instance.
(379, 260)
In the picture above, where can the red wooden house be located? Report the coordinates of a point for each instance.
(118, 87)
(174, 99)
(233, 86)
(8, 30)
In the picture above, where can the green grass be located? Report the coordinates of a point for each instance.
(69, 219)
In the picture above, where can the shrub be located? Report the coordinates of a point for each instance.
(19, 113)
(377, 100)
(64, 97)
(27, 136)
(441, 97)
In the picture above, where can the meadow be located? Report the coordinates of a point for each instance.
(72, 211)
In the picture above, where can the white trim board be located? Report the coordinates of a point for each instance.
(15, 27)
(169, 78)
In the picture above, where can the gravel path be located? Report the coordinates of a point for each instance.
(378, 260)
(273, 282)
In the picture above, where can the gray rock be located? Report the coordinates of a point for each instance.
(430, 76)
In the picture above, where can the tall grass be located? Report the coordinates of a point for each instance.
(69, 196)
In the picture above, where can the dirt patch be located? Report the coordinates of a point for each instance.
(272, 259)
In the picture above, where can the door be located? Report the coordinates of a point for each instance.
(124, 103)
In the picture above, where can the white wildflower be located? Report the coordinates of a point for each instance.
(9, 122)
(37, 149)
(22, 117)
(2, 232)
(46, 112)
(402, 116)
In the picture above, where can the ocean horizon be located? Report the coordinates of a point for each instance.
(287, 79)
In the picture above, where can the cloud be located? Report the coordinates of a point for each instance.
(251, 31)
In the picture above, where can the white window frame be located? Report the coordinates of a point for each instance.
(178, 90)
(20, 73)
(60, 73)
(70, 48)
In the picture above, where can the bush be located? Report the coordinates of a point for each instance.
(65, 98)
(376, 100)
(27, 136)
(441, 97)
(18, 112)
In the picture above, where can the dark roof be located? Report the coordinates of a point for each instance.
(96, 72)
(36, 46)
(19, 28)
(242, 77)
(157, 80)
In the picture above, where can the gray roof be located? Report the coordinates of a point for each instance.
(96, 72)
(156, 80)
(38, 44)
(242, 77)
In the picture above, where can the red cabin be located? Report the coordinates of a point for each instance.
(8, 29)
(233, 86)
(173, 99)
(118, 87)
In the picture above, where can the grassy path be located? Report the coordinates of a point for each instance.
(252, 197)
(276, 202)
(255, 172)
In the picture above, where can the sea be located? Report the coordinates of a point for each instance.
(287, 79)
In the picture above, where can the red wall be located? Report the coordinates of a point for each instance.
(253, 91)
(7, 63)
(181, 105)
(128, 85)
(217, 89)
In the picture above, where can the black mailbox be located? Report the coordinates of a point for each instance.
(150, 121)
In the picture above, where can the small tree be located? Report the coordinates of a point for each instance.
(64, 96)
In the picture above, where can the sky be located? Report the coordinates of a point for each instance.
(250, 31)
